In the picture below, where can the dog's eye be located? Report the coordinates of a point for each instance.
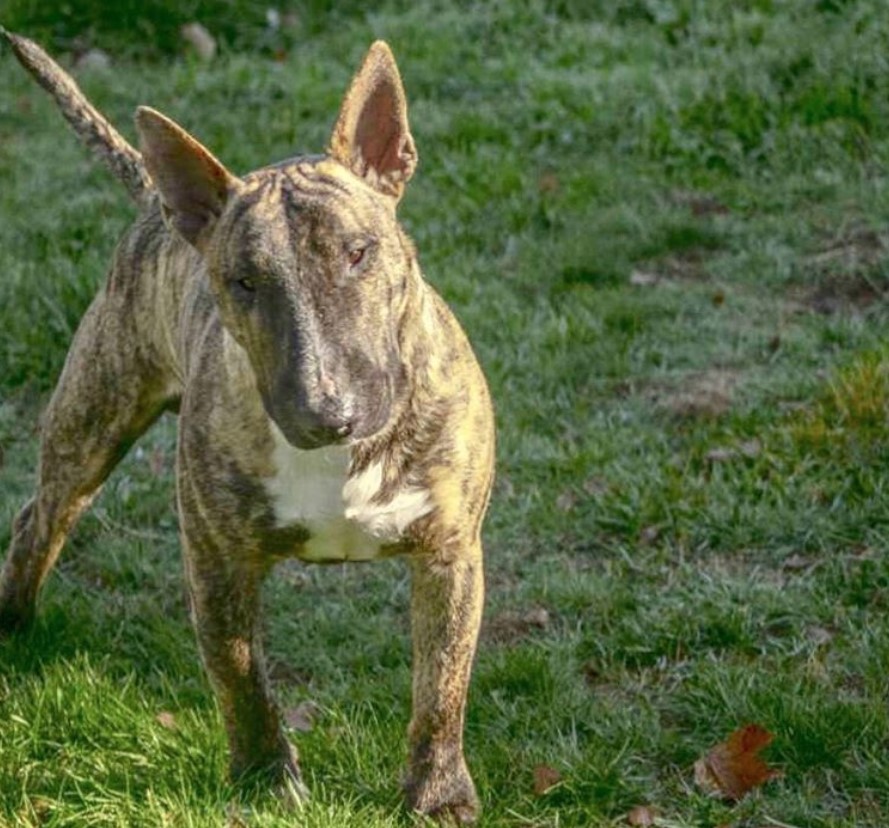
(356, 256)
(247, 285)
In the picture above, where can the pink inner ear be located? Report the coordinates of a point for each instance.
(379, 133)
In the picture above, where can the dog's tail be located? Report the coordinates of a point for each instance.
(91, 127)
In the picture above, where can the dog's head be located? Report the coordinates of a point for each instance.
(308, 267)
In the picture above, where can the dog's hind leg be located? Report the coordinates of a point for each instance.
(108, 394)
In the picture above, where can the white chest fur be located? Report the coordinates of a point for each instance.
(344, 519)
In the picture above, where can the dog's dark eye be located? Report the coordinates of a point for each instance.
(247, 285)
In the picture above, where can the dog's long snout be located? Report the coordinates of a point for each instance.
(312, 416)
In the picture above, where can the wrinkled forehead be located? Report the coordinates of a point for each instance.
(298, 203)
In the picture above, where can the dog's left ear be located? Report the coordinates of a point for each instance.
(372, 137)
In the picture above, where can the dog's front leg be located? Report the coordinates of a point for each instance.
(225, 598)
(446, 607)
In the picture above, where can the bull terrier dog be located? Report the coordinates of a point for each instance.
(331, 408)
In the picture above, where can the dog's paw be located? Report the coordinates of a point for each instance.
(447, 797)
(281, 780)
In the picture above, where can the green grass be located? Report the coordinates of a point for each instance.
(691, 469)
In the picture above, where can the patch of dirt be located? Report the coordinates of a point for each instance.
(698, 395)
(512, 626)
(685, 266)
(699, 203)
(845, 273)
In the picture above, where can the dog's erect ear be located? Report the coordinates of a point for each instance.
(371, 136)
(193, 185)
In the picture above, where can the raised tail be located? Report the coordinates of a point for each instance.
(91, 127)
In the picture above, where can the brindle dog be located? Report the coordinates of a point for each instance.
(331, 406)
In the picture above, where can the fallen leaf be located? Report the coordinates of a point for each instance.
(819, 636)
(200, 39)
(649, 534)
(301, 717)
(511, 626)
(536, 617)
(595, 486)
(167, 720)
(642, 816)
(548, 183)
(720, 455)
(796, 563)
(733, 767)
(751, 448)
(642, 278)
(566, 501)
(545, 778)
(718, 298)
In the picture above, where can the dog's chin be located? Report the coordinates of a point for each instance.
(312, 438)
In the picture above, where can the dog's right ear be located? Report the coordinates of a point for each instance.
(193, 185)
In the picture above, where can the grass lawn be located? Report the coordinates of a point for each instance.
(665, 226)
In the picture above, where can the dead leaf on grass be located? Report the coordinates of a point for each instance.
(643, 278)
(203, 43)
(595, 486)
(545, 778)
(548, 183)
(733, 768)
(511, 626)
(301, 717)
(566, 501)
(642, 816)
(819, 636)
(167, 720)
(797, 563)
(705, 394)
(649, 534)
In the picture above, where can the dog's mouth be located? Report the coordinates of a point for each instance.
(315, 438)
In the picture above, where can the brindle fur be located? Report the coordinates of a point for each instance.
(290, 296)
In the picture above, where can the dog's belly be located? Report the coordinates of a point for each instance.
(344, 519)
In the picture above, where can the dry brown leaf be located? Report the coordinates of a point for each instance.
(721, 454)
(513, 625)
(203, 43)
(642, 816)
(649, 534)
(301, 717)
(733, 767)
(566, 501)
(595, 486)
(796, 563)
(549, 183)
(545, 778)
(166, 719)
(642, 278)
(819, 636)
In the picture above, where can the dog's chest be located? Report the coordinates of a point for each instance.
(346, 516)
